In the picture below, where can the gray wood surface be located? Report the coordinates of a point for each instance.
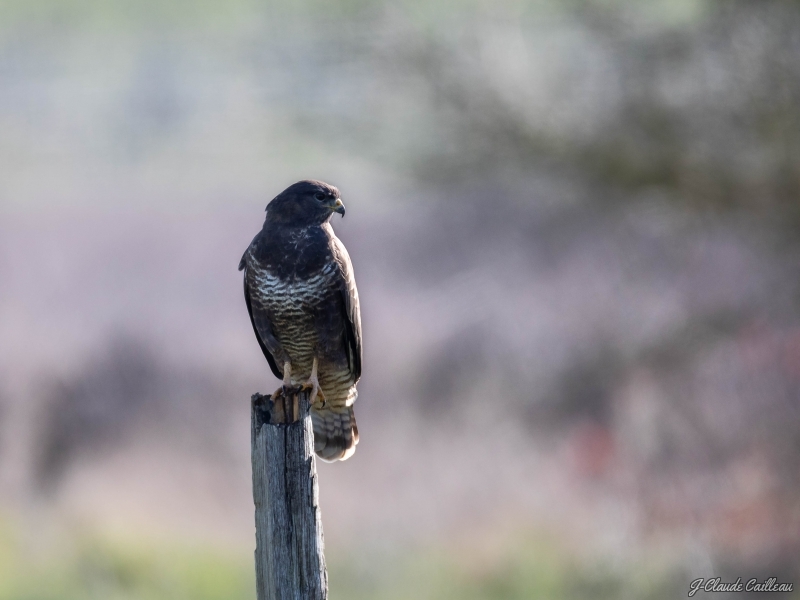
(290, 564)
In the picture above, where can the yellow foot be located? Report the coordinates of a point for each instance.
(315, 393)
(287, 388)
(284, 399)
(284, 392)
(312, 386)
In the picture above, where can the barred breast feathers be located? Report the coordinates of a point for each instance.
(293, 287)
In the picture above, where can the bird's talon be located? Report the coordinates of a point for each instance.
(319, 400)
(315, 394)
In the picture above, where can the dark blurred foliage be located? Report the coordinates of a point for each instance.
(127, 390)
(704, 112)
(707, 111)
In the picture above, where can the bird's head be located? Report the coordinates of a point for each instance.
(307, 202)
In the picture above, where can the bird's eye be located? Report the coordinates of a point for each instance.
(319, 196)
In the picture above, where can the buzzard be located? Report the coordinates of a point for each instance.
(303, 304)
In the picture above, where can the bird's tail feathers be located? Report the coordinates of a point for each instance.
(335, 432)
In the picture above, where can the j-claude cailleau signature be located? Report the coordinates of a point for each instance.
(715, 584)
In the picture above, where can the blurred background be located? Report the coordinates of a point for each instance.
(576, 231)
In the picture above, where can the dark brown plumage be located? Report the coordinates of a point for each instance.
(302, 299)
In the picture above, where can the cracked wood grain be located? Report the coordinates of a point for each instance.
(290, 563)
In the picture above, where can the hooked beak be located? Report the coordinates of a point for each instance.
(338, 207)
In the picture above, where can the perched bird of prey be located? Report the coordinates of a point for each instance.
(303, 304)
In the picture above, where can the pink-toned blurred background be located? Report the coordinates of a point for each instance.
(576, 234)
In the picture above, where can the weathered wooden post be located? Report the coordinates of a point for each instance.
(290, 564)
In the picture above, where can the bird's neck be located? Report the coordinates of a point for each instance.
(295, 252)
